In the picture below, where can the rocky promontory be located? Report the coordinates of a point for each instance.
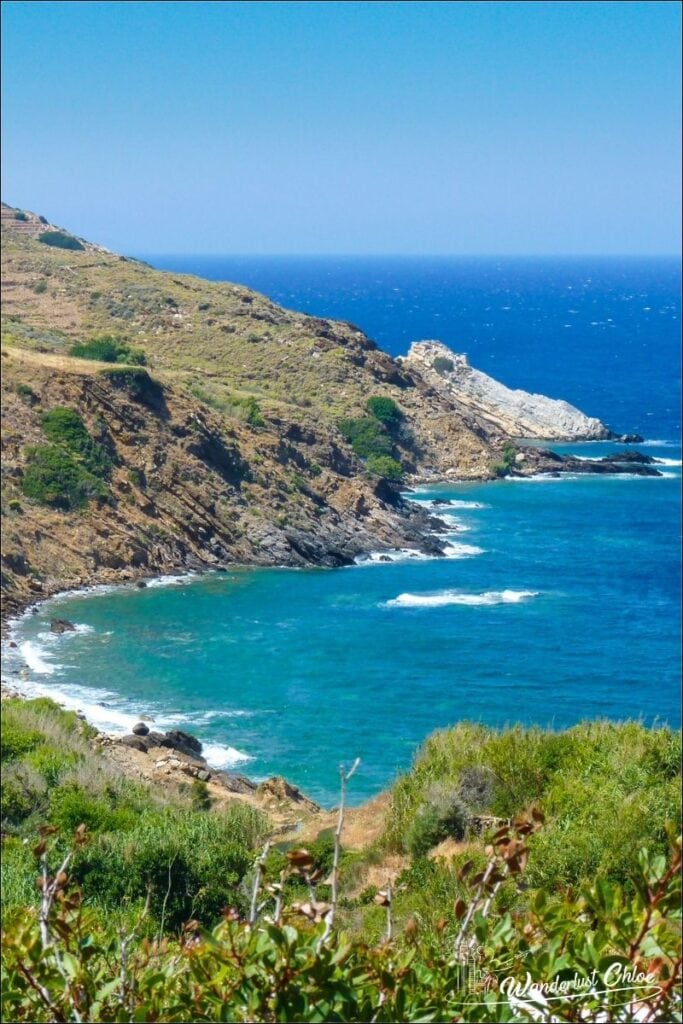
(515, 413)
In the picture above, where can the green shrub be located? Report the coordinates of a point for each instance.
(193, 862)
(200, 797)
(385, 466)
(53, 477)
(507, 464)
(385, 410)
(16, 801)
(17, 738)
(51, 763)
(26, 394)
(443, 365)
(71, 806)
(441, 816)
(60, 240)
(40, 287)
(108, 349)
(136, 477)
(20, 215)
(65, 426)
(367, 436)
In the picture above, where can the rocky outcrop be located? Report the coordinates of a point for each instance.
(62, 626)
(501, 410)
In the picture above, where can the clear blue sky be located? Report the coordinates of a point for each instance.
(213, 127)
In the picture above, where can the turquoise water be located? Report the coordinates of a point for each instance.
(569, 610)
(561, 601)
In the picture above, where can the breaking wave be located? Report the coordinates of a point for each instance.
(454, 597)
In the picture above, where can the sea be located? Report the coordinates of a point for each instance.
(559, 599)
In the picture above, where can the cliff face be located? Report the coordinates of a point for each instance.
(502, 410)
(227, 447)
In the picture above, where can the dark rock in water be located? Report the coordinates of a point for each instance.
(140, 729)
(140, 584)
(441, 501)
(12, 643)
(628, 438)
(384, 558)
(637, 457)
(62, 626)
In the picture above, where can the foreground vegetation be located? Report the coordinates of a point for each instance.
(154, 906)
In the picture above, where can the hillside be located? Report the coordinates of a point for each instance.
(228, 430)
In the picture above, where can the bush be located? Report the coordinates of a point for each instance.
(65, 426)
(249, 410)
(108, 349)
(54, 477)
(200, 796)
(26, 394)
(17, 738)
(20, 215)
(386, 411)
(40, 287)
(443, 815)
(17, 804)
(60, 240)
(507, 464)
(71, 806)
(385, 466)
(367, 436)
(443, 365)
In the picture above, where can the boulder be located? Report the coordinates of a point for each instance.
(284, 791)
(182, 741)
(62, 626)
(140, 729)
(140, 584)
(234, 782)
(136, 742)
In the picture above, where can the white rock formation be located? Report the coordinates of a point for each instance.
(515, 413)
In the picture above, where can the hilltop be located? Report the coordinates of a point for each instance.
(206, 425)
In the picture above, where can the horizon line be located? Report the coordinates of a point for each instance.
(417, 255)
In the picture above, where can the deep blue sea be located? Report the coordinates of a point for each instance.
(560, 601)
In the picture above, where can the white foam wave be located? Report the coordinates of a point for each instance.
(462, 550)
(32, 654)
(190, 719)
(454, 597)
(169, 581)
(91, 703)
(392, 555)
(219, 756)
(658, 444)
(452, 503)
(668, 462)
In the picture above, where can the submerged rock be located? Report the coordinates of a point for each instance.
(62, 626)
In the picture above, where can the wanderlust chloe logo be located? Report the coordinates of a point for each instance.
(618, 977)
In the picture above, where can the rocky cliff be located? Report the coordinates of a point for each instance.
(216, 436)
(504, 411)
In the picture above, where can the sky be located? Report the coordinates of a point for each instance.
(354, 128)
